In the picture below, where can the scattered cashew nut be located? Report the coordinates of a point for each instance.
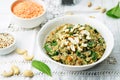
(25, 54)
(103, 10)
(28, 58)
(15, 70)
(98, 8)
(28, 73)
(20, 52)
(8, 74)
(89, 4)
(92, 16)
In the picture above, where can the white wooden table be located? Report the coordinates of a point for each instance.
(107, 70)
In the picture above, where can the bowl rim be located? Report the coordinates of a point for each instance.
(14, 42)
(40, 2)
(71, 66)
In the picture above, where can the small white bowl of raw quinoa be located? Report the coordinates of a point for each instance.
(28, 13)
(7, 43)
(75, 42)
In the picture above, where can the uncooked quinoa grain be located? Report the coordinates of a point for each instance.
(6, 40)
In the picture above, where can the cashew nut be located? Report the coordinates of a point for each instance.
(28, 73)
(103, 10)
(92, 16)
(89, 4)
(8, 74)
(20, 52)
(28, 58)
(98, 8)
(15, 70)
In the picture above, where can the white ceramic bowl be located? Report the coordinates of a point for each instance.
(76, 19)
(31, 22)
(10, 48)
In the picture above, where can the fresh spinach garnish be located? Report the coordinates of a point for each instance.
(44, 68)
(114, 12)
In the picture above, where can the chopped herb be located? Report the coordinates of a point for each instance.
(83, 56)
(61, 61)
(75, 31)
(84, 62)
(47, 48)
(94, 55)
(68, 52)
(85, 49)
(78, 53)
(55, 53)
(101, 40)
(91, 44)
(54, 43)
(95, 31)
(71, 33)
(87, 61)
(70, 27)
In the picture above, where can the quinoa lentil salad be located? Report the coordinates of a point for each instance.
(75, 44)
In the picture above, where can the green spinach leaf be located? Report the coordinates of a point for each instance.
(114, 12)
(41, 67)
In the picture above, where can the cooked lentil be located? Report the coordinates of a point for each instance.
(27, 9)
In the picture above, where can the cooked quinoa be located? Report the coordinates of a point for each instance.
(75, 44)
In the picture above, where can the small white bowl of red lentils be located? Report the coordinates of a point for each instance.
(28, 13)
(7, 43)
